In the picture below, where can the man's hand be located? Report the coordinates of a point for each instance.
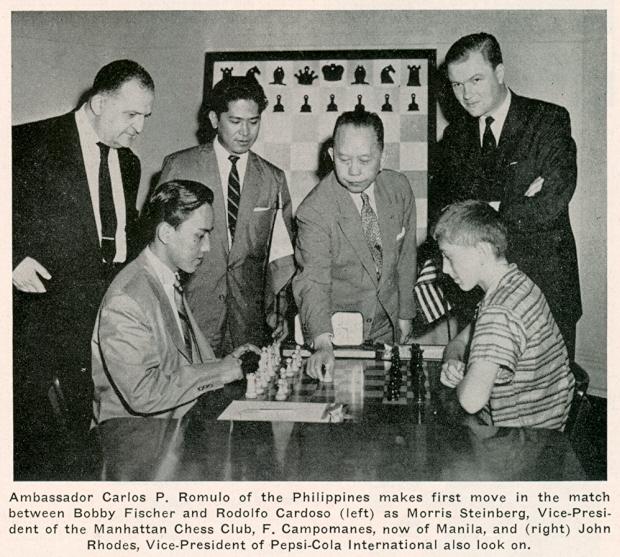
(243, 349)
(406, 330)
(535, 187)
(278, 326)
(452, 372)
(230, 369)
(323, 358)
(26, 276)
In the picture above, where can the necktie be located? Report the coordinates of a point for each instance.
(234, 195)
(107, 213)
(370, 225)
(488, 139)
(185, 324)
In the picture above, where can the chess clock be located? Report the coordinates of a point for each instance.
(307, 90)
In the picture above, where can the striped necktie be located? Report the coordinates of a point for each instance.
(107, 213)
(234, 195)
(186, 326)
(370, 226)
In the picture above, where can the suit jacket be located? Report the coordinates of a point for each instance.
(336, 269)
(230, 287)
(54, 223)
(140, 363)
(535, 141)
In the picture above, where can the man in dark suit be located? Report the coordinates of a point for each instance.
(232, 294)
(75, 184)
(517, 154)
(356, 244)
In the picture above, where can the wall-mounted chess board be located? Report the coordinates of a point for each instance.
(307, 90)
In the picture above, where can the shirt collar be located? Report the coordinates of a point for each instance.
(499, 115)
(222, 154)
(85, 128)
(165, 275)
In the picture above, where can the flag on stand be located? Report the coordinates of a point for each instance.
(429, 294)
(281, 263)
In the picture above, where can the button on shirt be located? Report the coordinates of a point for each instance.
(224, 165)
(91, 156)
(499, 117)
(167, 279)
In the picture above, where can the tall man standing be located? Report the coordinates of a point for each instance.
(230, 294)
(356, 244)
(75, 184)
(518, 154)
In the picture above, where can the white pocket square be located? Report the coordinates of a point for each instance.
(400, 234)
(260, 209)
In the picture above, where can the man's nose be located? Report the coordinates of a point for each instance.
(206, 244)
(354, 170)
(138, 124)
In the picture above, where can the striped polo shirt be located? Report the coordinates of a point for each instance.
(515, 330)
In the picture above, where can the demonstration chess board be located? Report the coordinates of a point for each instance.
(308, 90)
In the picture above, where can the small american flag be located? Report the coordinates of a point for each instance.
(429, 294)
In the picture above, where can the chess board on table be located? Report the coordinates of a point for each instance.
(307, 90)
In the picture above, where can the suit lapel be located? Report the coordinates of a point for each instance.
(212, 173)
(388, 222)
(169, 318)
(71, 168)
(351, 225)
(515, 120)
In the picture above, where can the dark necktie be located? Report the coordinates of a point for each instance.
(488, 139)
(234, 195)
(370, 226)
(107, 213)
(186, 326)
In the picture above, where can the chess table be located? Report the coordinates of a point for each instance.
(380, 439)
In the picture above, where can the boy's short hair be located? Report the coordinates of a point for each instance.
(467, 223)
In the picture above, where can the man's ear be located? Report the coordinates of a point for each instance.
(164, 232)
(97, 102)
(383, 157)
(499, 72)
(213, 119)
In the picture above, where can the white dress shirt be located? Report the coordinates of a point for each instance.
(357, 199)
(499, 117)
(91, 155)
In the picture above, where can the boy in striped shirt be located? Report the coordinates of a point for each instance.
(510, 366)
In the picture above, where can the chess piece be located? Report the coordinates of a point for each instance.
(332, 106)
(359, 107)
(387, 107)
(360, 76)
(251, 385)
(306, 107)
(252, 72)
(226, 73)
(278, 76)
(282, 393)
(290, 372)
(278, 107)
(386, 72)
(413, 106)
(414, 76)
(306, 78)
(418, 377)
(332, 72)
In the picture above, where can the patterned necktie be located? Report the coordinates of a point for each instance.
(185, 324)
(370, 225)
(107, 213)
(488, 139)
(234, 195)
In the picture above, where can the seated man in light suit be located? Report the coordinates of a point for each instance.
(356, 244)
(149, 357)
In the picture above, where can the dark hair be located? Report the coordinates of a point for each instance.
(172, 202)
(361, 119)
(467, 223)
(114, 75)
(478, 42)
(236, 88)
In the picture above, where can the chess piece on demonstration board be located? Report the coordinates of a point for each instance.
(306, 77)
(359, 107)
(306, 107)
(386, 74)
(387, 107)
(332, 72)
(278, 107)
(413, 106)
(414, 76)
(278, 76)
(360, 76)
(253, 72)
(332, 106)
